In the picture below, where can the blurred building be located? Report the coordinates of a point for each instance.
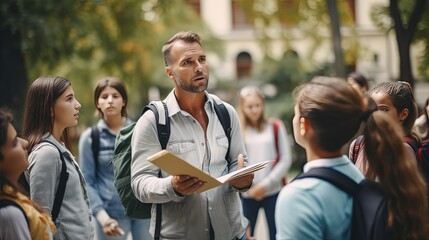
(377, 58)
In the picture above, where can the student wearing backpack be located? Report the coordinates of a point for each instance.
(96, 146)
(198, 137)
(50, 109)
(328, 113)
(20, 218)
(397, 100)
(265, 139)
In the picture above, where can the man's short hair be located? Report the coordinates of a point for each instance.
(189, 37)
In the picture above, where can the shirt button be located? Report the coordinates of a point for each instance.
(210, 208)
(202, 144)
(206, 229)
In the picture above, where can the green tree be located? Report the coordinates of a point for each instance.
(86, 40)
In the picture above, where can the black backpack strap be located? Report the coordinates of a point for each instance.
(95, 145)
(225, 120)
(334, 177)
(59, 196)
(163, 128)
(356, 148)
(7, 202)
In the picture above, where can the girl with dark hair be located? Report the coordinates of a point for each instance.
(110, 100)
(397, 100)
(328, 113)
(20, 218)
(51, 108)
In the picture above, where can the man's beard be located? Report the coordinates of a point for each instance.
(189, 87)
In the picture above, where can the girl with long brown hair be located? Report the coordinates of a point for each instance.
(51, 108)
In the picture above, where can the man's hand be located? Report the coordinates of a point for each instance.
(186, 185)
(244, 181)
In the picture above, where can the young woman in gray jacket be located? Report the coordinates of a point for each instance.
(51, 108)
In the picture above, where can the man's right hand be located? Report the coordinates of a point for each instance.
(186, 185)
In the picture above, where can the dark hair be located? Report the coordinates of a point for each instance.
(115, 83)
(359, 79)
(334, 108)
(388, 162)
(402, 97)
(189, 37)
(38, 117)
(5, 118)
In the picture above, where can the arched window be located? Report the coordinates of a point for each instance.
(244, 65)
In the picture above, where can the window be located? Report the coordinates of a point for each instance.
(240, 17)
(244, 65)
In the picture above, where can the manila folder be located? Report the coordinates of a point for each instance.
(174, 165)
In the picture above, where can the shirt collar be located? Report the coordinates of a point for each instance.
(173, 105)
(326, 162)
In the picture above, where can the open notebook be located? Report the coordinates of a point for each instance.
(174, 165)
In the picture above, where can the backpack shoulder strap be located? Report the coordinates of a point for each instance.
(410, 141)
(95, 145)
(276, 127)
(160, 110)
(334, 177)
(7, 202)
(356, 148)
(225, 120)
(417, 150)
(59, 196)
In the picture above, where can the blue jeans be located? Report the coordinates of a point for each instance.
(139, 229)
(251, 209)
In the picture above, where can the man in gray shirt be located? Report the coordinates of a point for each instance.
(198, 137)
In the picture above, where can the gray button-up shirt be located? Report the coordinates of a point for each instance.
(190, 217)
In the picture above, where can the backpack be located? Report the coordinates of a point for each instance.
(356, 148)
(369, 214)
(59, 195)
(122, 155)
(276, 127)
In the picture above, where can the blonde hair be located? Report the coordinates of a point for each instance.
(244, 120)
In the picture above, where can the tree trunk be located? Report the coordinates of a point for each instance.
(404, 37)
(14, 80)
(340, 70)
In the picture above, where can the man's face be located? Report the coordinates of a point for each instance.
(188, 67)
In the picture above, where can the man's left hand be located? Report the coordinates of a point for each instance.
(244, 181)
